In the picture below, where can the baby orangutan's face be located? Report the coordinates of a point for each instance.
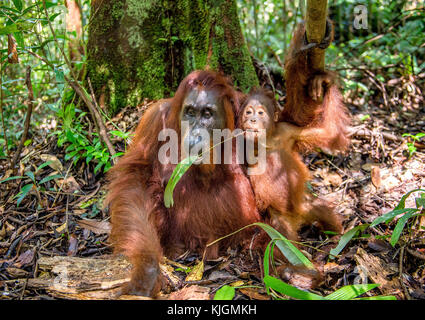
(256, 119)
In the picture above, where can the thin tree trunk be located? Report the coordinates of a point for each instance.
(74, 24)
(315, 29)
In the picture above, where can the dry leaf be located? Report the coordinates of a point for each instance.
(191, 293)
(25, 258)
(196, 273)
(73, 246)
(96, 226)
(2, 232)
(7, 174)
(218, 275)
(69, 184)
(334, 179)
(17, 273)
(390, 183)
(253, 294)
(9, 228)
(375, 175)
(422, 224)
(79, 212)
(376, 269)
(168, 270)
(61, 228)
(368, 166)
(55, 164)
(237, 283)
(332, 267)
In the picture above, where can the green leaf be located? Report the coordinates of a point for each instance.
(177, 174)
(19, 39)
(389, 216)
(45, 164)
(402, 202)
(31, 175)
(291, 252)
(28, 9)
(118, 154)
(345, 238)
(9, 29)
(53, 16)
(268, 256)
(225, 293)
(377, 298)
(266, 259)
(99, 165)
(70, 148)
(400, 226)
(18, 4)
(49, 4)
(420, 202)
(288, 290)
(120, 134)
(60, 79)
(24, 191)
(48, 178)
(11, 178)
(351, 291)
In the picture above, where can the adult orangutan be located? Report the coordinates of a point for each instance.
(210, 200)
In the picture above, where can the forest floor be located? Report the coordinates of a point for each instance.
(366, 182)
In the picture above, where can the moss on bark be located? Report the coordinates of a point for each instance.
(143, 49)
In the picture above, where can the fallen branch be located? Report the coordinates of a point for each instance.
(416, 254)
(103, 133)
(100, 278)
(363, 132)
(82, 278)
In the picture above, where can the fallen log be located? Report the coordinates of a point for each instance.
(82, 278)
(101, 278)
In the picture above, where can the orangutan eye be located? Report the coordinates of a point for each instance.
(190, 111)
(261, 112)
(248, 112)
(207, 114)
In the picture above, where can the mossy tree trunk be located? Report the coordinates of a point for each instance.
(143, 49)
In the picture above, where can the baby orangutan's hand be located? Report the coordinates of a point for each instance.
(319, 84)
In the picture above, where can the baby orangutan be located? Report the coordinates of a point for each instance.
(280, 189)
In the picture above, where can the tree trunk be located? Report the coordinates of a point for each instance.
(143, 49)
(74, 24)
(315, 30)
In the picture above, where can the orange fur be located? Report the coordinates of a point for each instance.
(306, 123)
(208, 204)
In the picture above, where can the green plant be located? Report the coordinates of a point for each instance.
(72, 132)
(408, 214)
(411, 144)
(348, 292)
(225, 293)
(276, 287)
(33, 184)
